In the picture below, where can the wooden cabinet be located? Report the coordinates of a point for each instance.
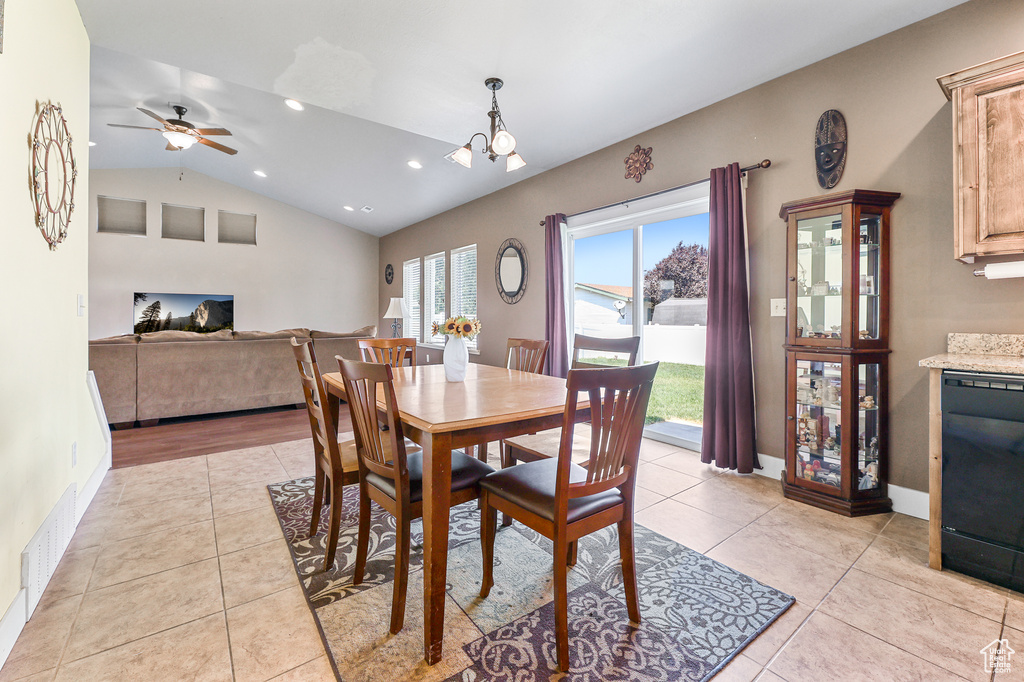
(988, 157)
(837, 351)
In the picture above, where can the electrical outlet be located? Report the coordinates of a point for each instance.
(81, 305)
(74, 454)
(778, 307)
(427, 355)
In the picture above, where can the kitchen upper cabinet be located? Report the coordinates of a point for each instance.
(988, 157)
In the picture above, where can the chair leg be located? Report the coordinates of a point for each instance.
(481, 452)
(334, 524)
(318, 502)
(488, 521)
(571, 554)
(627, 558)
(507, 460)
(401, 572)
(363, 537)
(561, 602)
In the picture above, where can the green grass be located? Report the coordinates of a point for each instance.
(678, 391)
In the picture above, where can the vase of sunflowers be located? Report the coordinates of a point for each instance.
(456, 353)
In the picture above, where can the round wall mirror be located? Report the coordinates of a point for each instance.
(510, 270)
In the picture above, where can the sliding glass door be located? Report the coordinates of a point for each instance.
(643, 272)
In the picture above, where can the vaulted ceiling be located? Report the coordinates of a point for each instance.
(389, 82)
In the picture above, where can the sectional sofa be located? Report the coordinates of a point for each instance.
(154, 376)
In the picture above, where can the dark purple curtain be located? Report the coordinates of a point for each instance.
(554, 301)
(729, 439)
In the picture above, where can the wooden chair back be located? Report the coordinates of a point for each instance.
(389, 351)
(324, 431)
(526, 355)
(618, 407)
(629, 345)
(380, 443)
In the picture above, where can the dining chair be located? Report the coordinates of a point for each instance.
(564, 501)
(336, 463)
(525, 355)
(389, 474)
(392, 352)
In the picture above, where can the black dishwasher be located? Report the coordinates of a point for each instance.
(983, 476)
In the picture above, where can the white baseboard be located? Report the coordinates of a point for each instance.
(11, 624)
(904, 500)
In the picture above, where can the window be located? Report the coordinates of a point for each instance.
(183, 222)
(411, 294)
(121, 216)
(236, 228)
(433, 295)
(464, 284)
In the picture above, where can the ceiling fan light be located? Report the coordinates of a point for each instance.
(513, 162)
(463, 156)
(503, 142)
(179, 140)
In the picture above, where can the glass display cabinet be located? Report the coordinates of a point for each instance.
(837, 351)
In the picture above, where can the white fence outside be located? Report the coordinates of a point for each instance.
(668, 343)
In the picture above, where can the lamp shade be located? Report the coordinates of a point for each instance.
(503, 142)
(464, 156)
(396, 309)
(513, 162)
(179, 140)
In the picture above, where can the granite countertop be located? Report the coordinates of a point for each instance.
(997, 353)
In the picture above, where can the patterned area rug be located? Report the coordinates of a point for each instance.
(697, 613)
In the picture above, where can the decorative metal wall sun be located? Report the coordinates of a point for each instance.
(53, 174)
(638, 163)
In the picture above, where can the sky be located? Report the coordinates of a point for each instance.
(607, 258)
(179, 305)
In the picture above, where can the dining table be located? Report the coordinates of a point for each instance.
(490, 404)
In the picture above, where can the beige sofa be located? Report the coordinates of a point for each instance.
(175, 374)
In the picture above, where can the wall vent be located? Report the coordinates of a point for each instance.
(40, 557)
(367, 209)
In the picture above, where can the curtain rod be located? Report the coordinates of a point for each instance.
(764, 164)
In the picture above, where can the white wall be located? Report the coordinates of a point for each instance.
(44, 404)
(305, 271)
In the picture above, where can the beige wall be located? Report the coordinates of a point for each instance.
(305, 271)
(44, 404)
(900, 140)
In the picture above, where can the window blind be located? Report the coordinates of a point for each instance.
(183, 222)
(121, 216)
(236, 228)
(411, 294)
(433, 294)
(464, 284)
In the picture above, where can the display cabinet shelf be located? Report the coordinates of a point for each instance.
(837, 351)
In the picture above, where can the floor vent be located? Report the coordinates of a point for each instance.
(40, 558)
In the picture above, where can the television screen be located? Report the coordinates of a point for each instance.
(201, 313)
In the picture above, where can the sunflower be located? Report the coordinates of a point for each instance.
(466, 328)
(451, 326)
(476, 327)
(435, 329)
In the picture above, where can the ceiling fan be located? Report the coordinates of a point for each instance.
(180, 133)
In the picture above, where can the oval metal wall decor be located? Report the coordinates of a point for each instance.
(53, 174)
(389, 273)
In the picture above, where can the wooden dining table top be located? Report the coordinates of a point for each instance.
(488, 396)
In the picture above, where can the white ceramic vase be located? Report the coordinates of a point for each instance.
(456, 358)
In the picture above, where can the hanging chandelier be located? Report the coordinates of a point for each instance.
(500, 142)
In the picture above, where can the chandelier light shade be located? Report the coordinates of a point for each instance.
(179, 140)
(500, 142)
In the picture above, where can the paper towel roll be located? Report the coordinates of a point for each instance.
(1002, 270)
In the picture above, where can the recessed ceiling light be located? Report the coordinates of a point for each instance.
(259, 174)
(91, 143)
(294, 104)
(348, 208)
(415, 164)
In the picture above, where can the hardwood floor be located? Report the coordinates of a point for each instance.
(191, 436)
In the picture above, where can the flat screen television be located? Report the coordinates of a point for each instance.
(201, 313)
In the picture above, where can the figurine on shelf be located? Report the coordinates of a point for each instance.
(864, 333)
(867, 402)
(819, 288)
(832, 394)
(869, 477)
(873, 449)
(835, 290)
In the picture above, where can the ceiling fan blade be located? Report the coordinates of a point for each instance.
(217, 146)
(121, 125)
(212, 131)
(147, 112)
(171, 148)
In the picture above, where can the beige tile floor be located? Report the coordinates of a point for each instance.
(179, 571)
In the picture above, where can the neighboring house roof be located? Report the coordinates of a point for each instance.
(609, 290)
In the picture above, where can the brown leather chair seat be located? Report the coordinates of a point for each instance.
(531, 485)
(466, 471)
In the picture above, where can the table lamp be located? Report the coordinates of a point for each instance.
(396, 311)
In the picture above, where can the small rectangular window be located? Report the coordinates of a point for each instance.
(183, 222)
(236, 228)
(433, 295)
(411, 294)
(121, 216)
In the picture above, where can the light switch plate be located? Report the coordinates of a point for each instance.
(778, 307)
